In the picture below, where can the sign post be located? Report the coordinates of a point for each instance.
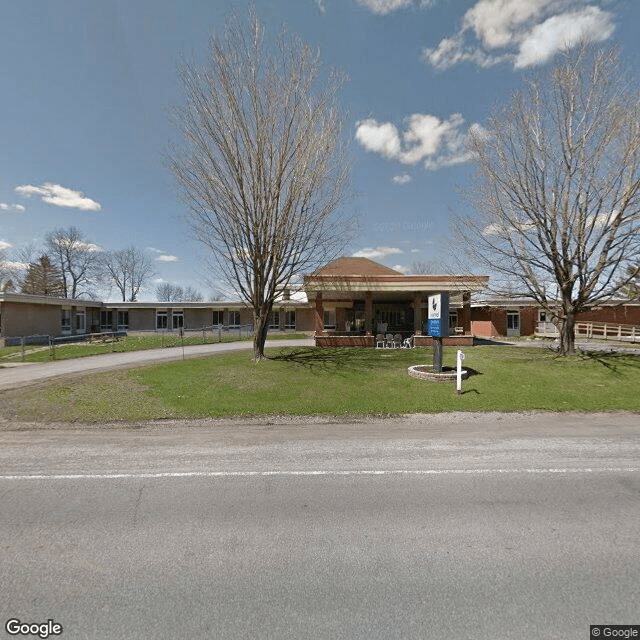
(459, 359)
(438, 325)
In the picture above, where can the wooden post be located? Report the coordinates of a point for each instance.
(368, 313)
(417, 315)
(437, 354)
(318, 315)
(466, 312)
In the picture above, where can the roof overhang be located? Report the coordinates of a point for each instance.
(391, 285)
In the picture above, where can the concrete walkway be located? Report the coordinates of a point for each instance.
(17, 375)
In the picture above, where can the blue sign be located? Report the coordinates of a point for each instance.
(438, 315)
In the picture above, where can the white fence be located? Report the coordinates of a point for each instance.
(598, 330)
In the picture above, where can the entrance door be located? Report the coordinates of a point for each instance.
(177, 320)
(513, 323)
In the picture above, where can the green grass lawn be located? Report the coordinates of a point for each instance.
(35, 353)
(341, 382)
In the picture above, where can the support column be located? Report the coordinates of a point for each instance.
(282, 318)
(318, 315)
(368, 313)
(466, 312)
(417, 315)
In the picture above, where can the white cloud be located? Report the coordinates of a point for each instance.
(378, 137)
(167, 258)
(496, 22)
(382, 7)
(93, 248)
(495, 229)
(11, 207)
(405, 178)
(563, 31)
(320, 5)
(377, 252)
(5, 245)
(86, 246)
(426, 138)
(401, 269)
(59, 196)
(16, 266)
(524, 32)
(452, 51)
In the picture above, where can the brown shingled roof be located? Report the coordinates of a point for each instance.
(350, 266)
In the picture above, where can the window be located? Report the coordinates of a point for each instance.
(290, 320)
(65, 320)
(329, 318)
(513, 323)
(161, 321)
(218, 317)
(274, 320)
(234, 318)
(106, 320)
(453, 319)
(81, 320)
(177, 320)
(123, 320)
(390, 317)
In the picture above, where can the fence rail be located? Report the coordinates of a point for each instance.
(591, 330)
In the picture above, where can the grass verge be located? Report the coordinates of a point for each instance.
(338, 382)
(128, 343)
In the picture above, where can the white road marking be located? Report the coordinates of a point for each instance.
(314, 473)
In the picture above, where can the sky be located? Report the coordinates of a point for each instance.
(88, 86)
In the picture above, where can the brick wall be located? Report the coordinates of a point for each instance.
(619, 314)
(20, 319)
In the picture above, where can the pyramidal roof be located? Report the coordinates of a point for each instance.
(351, 266)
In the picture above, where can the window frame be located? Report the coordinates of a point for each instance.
(162, 314)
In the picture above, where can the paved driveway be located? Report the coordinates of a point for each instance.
(20, 374)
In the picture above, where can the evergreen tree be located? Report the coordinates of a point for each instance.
(43, 279)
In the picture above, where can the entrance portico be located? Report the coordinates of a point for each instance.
(356, 298)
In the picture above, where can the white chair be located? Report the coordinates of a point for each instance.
(380, 343)
(397, 341)
(389, 340)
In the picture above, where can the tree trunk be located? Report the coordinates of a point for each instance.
(260, 328)
(568, 334)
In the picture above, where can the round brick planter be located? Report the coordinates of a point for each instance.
(426, 372)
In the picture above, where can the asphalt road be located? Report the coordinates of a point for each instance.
(457, 526)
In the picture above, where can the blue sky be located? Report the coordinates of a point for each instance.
(87, 87)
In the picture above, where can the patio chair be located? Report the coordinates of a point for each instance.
(380, 343)
(397, 341)
(389, 340)
(407, 343)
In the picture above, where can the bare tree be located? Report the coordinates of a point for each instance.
(558, 190)
(632, 286)
(263, 166)
(167, 292)
(192, 295)
(77, 259)
(128, 269)
(428, 267)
